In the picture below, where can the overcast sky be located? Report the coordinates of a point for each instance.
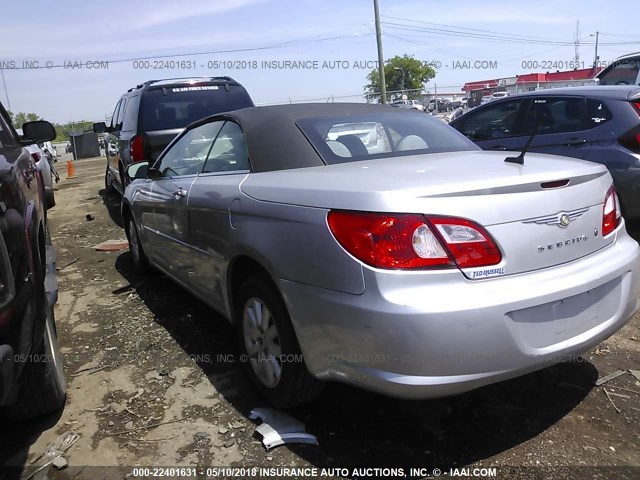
(337, 32)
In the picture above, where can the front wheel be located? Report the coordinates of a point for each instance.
(273, 358)
(43, 383)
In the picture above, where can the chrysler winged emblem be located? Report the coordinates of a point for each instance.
(561, 219)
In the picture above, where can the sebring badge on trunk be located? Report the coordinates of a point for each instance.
(564, 243)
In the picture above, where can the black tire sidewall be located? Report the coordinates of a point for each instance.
(140, 263)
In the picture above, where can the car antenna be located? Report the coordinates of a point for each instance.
(520, 158)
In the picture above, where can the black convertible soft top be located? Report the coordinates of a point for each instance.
(274, 140)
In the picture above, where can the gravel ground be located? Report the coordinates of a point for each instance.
(152, 382)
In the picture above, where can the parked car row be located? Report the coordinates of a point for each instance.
(32, 380)
(373, 242)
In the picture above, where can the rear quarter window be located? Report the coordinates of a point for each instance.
(597, 113)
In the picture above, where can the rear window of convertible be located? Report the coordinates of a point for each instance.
(381, 135)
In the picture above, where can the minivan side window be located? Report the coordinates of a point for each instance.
(121, 114)
(114, 117)
(131, 114)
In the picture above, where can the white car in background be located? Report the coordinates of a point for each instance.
(410, 104)
(50, 151)
(43, 165)
(486, 99)
(497, 95)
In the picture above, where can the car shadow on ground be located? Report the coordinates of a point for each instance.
(358, 428)
(17, 438)
(112, 201)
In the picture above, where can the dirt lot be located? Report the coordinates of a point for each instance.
(141, 351)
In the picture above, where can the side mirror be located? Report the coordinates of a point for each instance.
(137, 170)
(100, 127)
(38, 131)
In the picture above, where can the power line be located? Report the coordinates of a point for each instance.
(212, 52)
(491, 37)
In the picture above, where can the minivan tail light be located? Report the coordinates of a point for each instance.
(611, 213)
(35, 156)
(409, 241)
(136, 149)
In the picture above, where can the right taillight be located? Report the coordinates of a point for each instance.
(35, 156)
(408, 241)
(631, 139)
(136, 148)
(611, 213)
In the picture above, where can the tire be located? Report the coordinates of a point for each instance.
(50, 199)
(138, 257)
(108, 181)
(43, 384)
(283, 384)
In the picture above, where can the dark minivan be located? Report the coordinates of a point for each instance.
(150, 115)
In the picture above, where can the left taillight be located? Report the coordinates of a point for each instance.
(136, 148)
(408, 241)
(611, 213)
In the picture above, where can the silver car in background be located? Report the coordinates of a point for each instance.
(427, 269)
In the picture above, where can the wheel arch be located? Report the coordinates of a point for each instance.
(241, 267)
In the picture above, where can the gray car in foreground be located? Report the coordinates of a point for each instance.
(416, 266)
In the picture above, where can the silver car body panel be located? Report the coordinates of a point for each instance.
(414, 334)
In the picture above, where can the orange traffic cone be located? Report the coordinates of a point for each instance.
(70, 170)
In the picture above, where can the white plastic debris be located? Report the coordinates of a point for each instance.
(278, 428)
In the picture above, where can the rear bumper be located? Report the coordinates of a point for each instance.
(417, 335)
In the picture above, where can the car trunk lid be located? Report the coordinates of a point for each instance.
(543, 213)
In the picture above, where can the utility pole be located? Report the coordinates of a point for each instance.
(383, 85)
(595, 59)
(576, 58)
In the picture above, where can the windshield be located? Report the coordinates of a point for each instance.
(366, 137)
(178, 106)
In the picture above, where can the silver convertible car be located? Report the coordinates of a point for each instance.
(379, 247)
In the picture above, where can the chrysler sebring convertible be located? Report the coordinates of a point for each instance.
(381, 248)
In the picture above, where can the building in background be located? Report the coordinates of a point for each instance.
(529, 82)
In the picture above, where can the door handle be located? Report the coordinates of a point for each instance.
(180, 193)
(574, 142)
(498, 147)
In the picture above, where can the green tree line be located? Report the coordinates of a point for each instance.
(62, 130)
(402, 74)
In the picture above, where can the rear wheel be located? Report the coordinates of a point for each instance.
(108, 180)
(50, 199)
(43, 384)
(138, 256)
(273, 358)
